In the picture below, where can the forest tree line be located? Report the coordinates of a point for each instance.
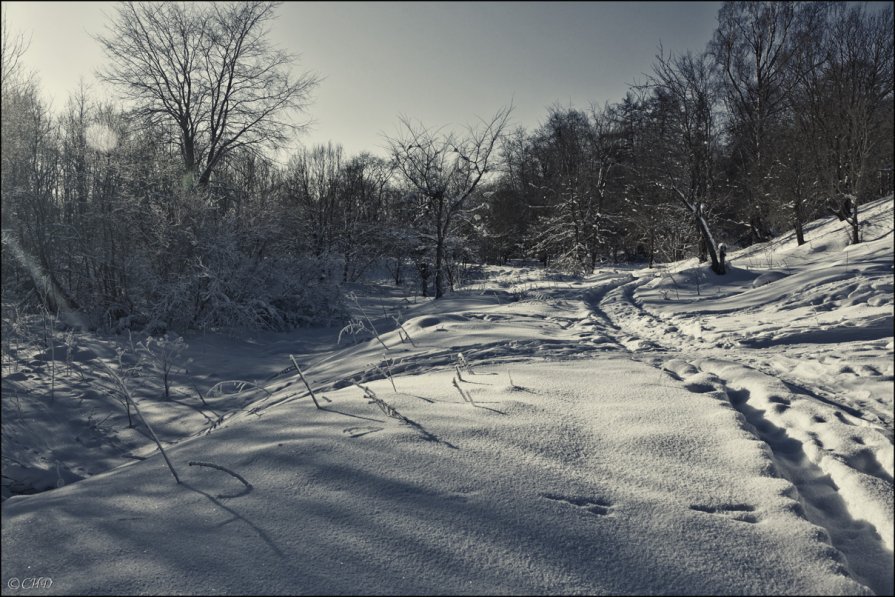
(166, 208)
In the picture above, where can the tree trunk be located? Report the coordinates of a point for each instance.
(205, 178)
(841, 211)
(800, 233)
(696, 208)
(717, 266)
(441, 233)
(797, 212)
(423, 269)
(652, 247)
(189, 152)
(439, 274)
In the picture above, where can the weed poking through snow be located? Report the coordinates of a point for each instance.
(307, 385)
(390, 411)
(122, 387)
(462, 363)
(402, 332)
(353, 298)
(234, 387)
(513, 385)
(229, 472)
(384, 406)
(161, 356)
(386, 362)
(465, 395)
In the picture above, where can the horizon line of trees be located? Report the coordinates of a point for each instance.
(167, 211)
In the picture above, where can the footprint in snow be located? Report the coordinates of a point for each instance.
(869, 370)
(598, 506)
(699, 387)
(738, 512)
(842, 419)
(361, 431)
(779, 400)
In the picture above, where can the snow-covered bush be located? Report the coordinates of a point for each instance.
(274, 293)
(218, 283)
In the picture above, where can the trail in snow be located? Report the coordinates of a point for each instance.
(866, 484)
(842, 484)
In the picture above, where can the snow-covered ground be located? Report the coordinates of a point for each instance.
(637, 431)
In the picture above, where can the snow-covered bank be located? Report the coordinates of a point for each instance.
(574, 481)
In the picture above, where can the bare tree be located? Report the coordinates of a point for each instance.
(445, 169)
(848, 94)
(573, 157)
(363, 212)
(565, 186)
(313, 183)
(13, 48)
(208, 71)
(29, 158)
(753, 47)
(688, 138)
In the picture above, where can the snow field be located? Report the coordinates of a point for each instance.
(557, 486)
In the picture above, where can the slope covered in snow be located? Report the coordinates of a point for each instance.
(637, 431)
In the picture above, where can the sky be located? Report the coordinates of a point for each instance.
(440, 63)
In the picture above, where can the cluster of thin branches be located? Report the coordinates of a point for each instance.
(384, 406)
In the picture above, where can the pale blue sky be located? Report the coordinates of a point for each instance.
(443, 63)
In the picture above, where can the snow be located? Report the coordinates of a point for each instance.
(633, 431)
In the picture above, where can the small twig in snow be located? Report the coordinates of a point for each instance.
(226, 470)
(466, 397)
(307, 385)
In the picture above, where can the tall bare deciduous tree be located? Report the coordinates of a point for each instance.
(29, 159)
(849, 98)
(445, 170)
(688, 137)
(753, 47)
(573, 157)
(11, 52)
(208, 71)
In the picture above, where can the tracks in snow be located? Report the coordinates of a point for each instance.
(803, 462)
(829, 452)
